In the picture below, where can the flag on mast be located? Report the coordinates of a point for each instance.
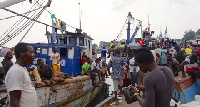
(166, 30)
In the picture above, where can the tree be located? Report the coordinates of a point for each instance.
(190, 34)
(198, 32)
(94, 46)
(104, 44)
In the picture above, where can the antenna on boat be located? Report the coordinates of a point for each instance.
(148, 25)
(79, 15)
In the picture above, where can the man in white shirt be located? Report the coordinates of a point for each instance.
(133, 71)
(18, 83)
(95, 67)
(55, 60)
(153, 52)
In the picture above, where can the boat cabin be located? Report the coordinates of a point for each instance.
(69, 45)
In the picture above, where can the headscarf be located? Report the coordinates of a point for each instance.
(4, 51)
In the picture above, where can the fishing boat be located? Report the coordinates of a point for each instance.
(186, 89)
(76, 92)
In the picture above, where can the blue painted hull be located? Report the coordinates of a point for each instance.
(189, 94)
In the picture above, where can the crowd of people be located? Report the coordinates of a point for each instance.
(151, 68)
(18, 75)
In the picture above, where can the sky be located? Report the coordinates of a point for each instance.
(103, 19)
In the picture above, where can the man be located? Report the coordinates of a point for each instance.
(117, 62)
(173, 53)
(18, 83)
(191, 64)
(153, 52)
(180, 57)
(158, 50)
(158, 84)
(103, 54)
(83, 58)
(188, 51)
(86, 70)
(95, 67)
(133, 71)
(55, 60)
(7, 62)
(173, 64)
(47, 73)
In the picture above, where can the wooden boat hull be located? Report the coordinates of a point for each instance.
(186, 89)
(78, 93)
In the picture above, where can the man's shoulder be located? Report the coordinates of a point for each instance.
(174, 60)
(86, 64)
(15, 70)
(15, 67)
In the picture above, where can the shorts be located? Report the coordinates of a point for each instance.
(56, 67)
(117, 82)
(103, 58)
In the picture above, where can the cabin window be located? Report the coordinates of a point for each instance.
(72, 41)
(63, 52)
(81, 41)
(63, 40)
(37, 50)
(44, 51)
(85, 42)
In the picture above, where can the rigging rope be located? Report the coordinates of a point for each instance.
(17, 23)
(22, 13)
(31, 26)
(25, 25)
(20, 29)
(120, 33)
(7, 37)
(56, 17)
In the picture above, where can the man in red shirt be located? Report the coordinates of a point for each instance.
(83, 58)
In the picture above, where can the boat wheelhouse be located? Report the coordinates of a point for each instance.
(69, 45)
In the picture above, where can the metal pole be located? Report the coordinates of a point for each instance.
(79, 16)
(128, 29)
(148, 20)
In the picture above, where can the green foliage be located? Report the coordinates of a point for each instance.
(104, 44)
(190, 34)
(198, 32)
(94, 46)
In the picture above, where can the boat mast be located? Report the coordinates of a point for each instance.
(128, 29)
(79, 16)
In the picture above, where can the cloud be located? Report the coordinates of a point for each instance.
(181, 2)
(121, 4)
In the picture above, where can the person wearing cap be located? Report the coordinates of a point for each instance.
(7, 62)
